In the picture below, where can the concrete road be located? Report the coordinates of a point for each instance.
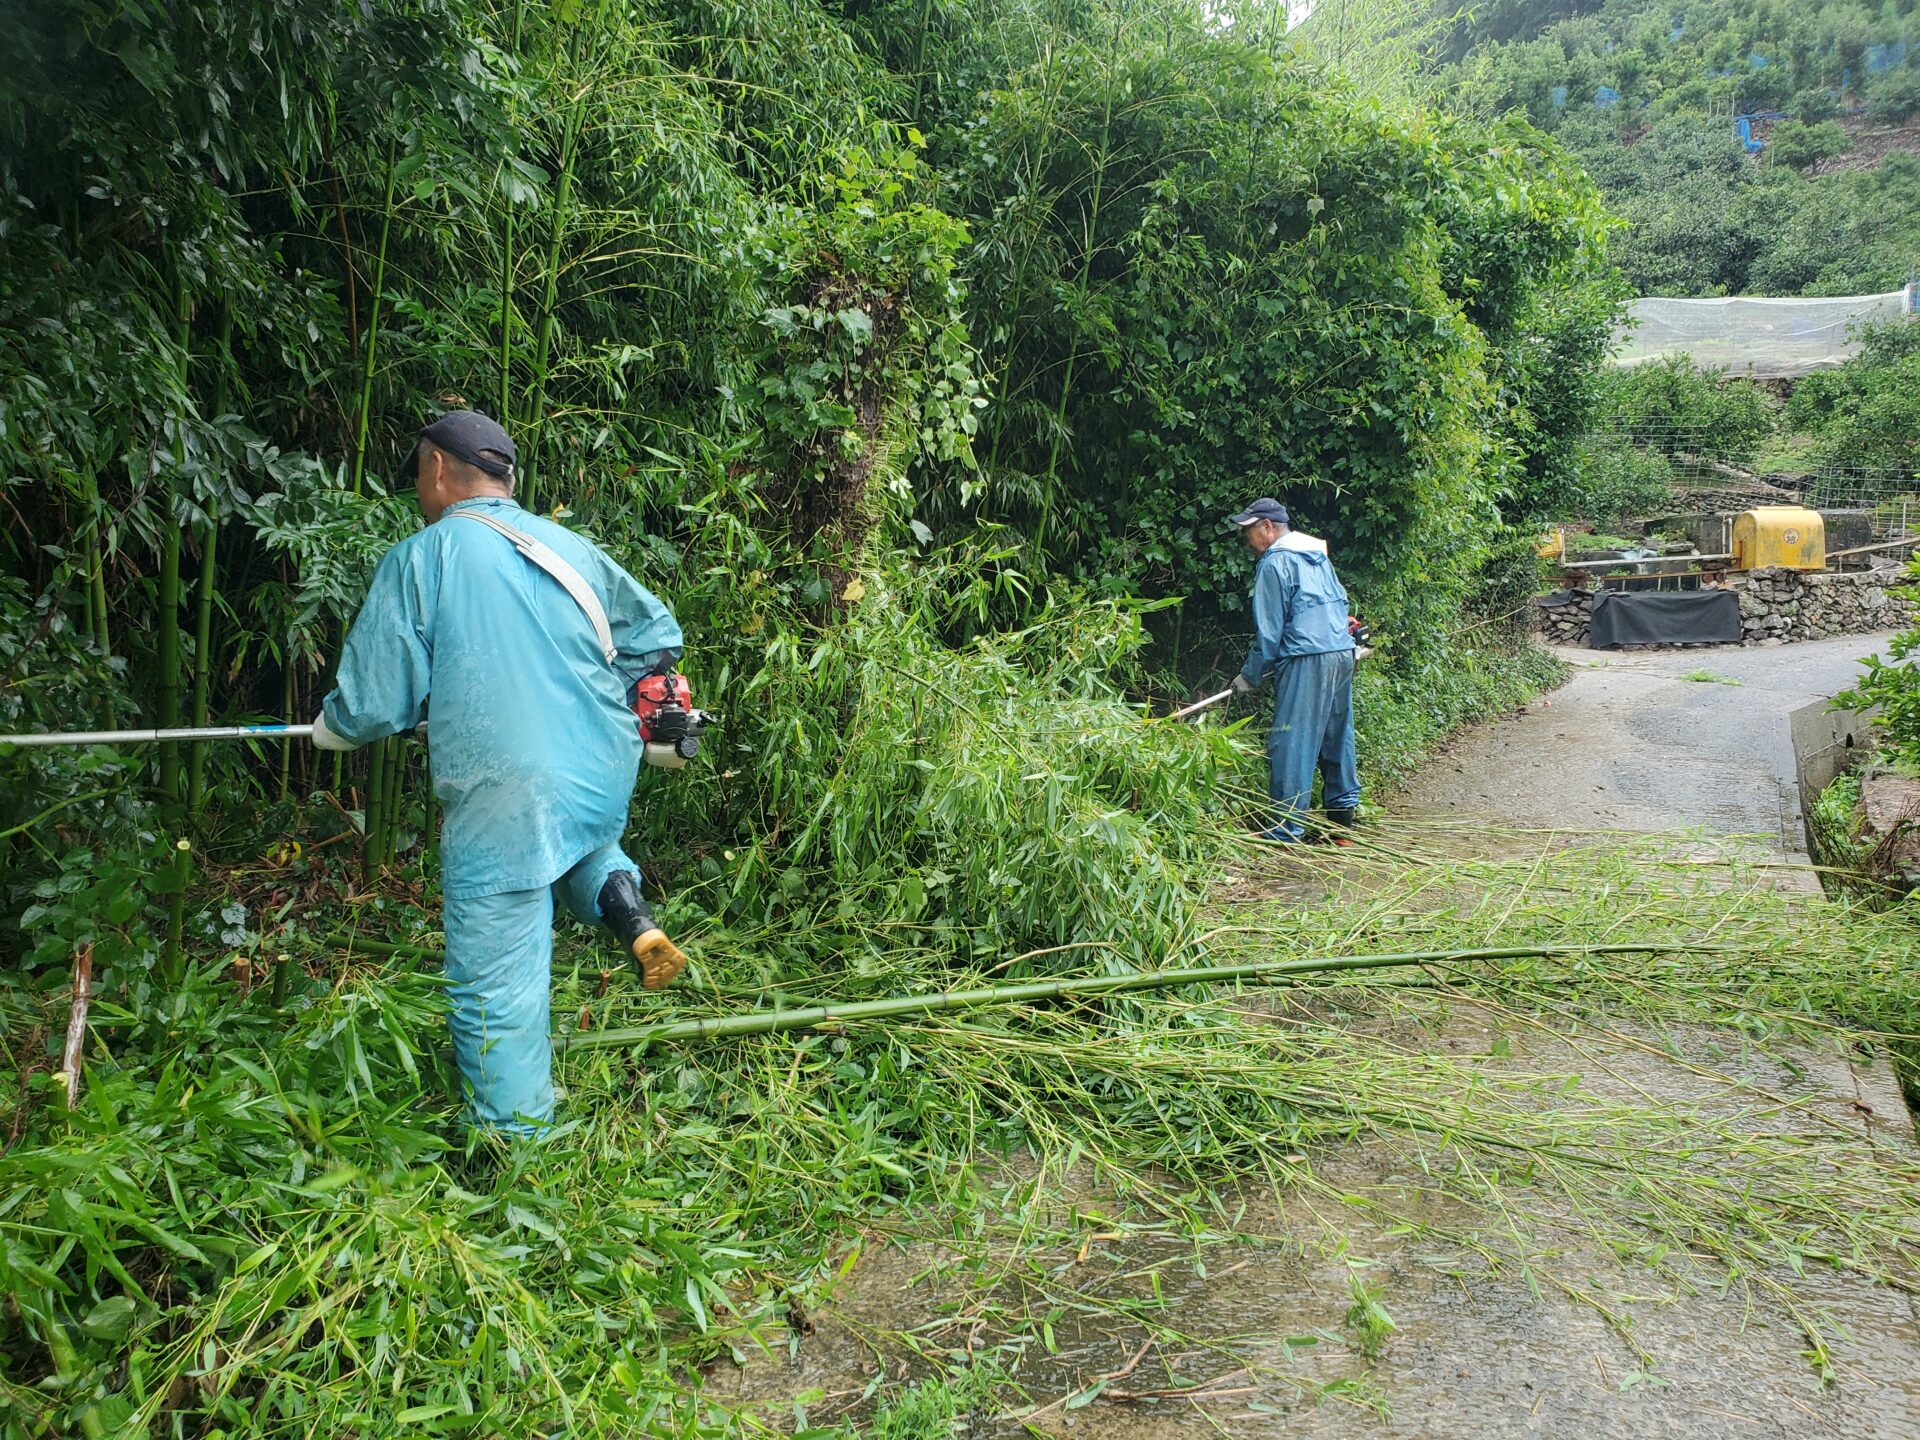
(1631, 744)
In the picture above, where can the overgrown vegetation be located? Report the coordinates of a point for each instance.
(253, 1220)
(914, 354)
(1891, 687)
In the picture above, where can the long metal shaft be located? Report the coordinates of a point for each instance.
(138, 737)
(143, 737)
(1198, 706)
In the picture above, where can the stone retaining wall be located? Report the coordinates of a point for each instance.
(1776, 606)
(1566, 624)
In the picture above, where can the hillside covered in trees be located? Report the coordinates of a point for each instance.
(1819, 194)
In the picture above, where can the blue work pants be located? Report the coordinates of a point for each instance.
(1312, 728)
(499, 969)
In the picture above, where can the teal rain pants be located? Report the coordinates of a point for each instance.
(1312, 729)
(499, 972)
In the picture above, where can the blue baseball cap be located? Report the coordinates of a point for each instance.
(1265, 508)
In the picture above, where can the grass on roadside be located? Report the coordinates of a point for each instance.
(256, 1221)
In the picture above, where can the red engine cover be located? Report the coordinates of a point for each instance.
(657, 693)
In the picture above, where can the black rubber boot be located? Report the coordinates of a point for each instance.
(1345, 819)
(656, 959)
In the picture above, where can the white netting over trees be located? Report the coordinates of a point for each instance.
(1752, 336)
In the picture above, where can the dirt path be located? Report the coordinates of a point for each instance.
(1257, 1316)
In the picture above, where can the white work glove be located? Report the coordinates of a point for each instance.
(1242, 685)
(325, 739)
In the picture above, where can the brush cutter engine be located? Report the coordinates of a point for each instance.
(669, 725)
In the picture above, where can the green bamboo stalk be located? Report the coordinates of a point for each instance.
(373, 330)
(396, 795)
(282, 975)
(172, 963)
(429, 818)
(543, 342)
(772, 1021)
(86, 589)
(202, 659)
(97, 587)
(286, 711)
(768, 1022)
(68, 1370)
(505, 414)
(373, 809)
(920, 62)
(209, 582)
(341, 940)
(168, 621)
(168, 624)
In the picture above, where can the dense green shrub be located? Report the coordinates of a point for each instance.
(1800, 145)
(1895, 95)
(1188, 279)
(1682, 411)
(1893, 685)
(1618, 481)
(1865, 416)
(1850, 233)
(1810, 107)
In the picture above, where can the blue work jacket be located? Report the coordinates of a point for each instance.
(533, 747)
(1299, 608)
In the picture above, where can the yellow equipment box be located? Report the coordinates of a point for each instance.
(1783, 535)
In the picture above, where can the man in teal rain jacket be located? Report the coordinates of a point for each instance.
(532, 742)
(1303, 642)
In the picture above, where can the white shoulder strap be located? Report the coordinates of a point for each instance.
(570, 579)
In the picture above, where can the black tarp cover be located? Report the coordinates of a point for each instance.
(1664, 617)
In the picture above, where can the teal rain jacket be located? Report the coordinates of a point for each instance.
(1299, 608)
(533, 746)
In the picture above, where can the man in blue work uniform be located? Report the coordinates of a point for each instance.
(1303, 641)
(491, 612)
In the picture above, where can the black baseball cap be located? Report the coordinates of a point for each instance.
(1265, 508)
(472, 437)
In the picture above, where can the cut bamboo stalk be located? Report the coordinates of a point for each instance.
(773, 1021)
(364, 418)
(70, 1057)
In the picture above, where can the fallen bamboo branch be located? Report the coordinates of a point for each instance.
(70, 1057)
(769, 1022)
(1205, 1390)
